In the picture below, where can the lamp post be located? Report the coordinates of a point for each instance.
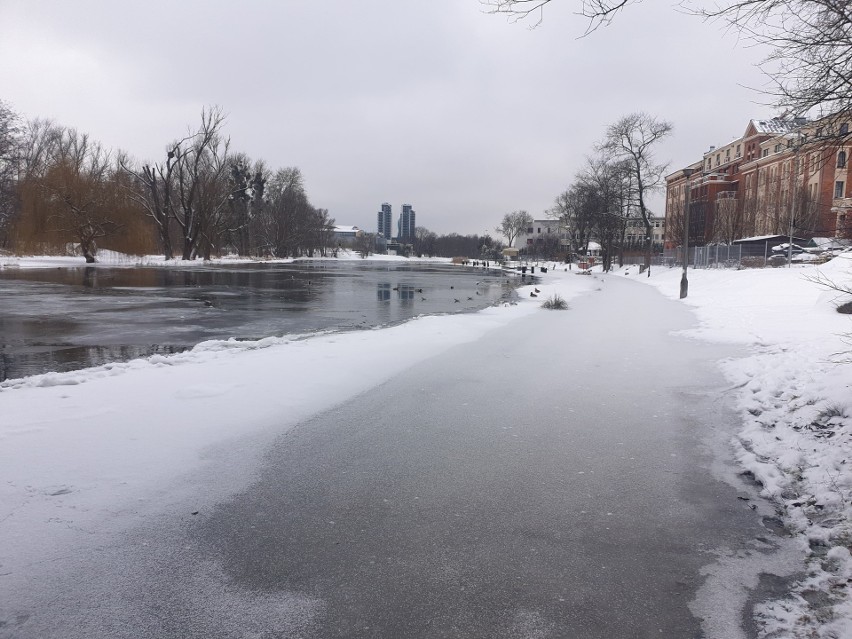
(795, 198)
(684, 283)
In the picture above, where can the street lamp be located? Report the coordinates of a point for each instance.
(684, 283)
(794, 202)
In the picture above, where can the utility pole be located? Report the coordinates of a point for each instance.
(794, 204)
(684, 283)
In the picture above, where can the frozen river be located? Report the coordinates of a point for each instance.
(70, 318)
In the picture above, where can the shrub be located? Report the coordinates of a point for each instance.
(752, 262)
(555, 303)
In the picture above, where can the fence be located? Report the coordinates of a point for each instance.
(749, 255)
(717, 256)
(721, 256)
(630, 260)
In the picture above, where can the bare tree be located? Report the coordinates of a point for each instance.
(598, 12)
(633, 139)
(809, 64)
(153, 187)
(77, 192)
(727, 222)
(285, 208)
(247, 186)
(810, 41)
(576, 209)
(424, 241)
(365, 244)
(514, 224)
(610, 183)
(198, 163)
(9, 150)
(181, 189)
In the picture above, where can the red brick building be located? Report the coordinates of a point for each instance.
(753, 185)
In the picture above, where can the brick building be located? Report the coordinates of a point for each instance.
(752, 185)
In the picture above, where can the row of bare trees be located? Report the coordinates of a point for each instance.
(609, 195)
(58, 187)
(472, 246)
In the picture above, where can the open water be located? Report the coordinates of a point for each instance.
(71, 318)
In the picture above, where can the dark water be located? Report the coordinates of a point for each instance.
(70, 318)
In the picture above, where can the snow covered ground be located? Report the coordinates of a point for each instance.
(795, 396)
(81, 448)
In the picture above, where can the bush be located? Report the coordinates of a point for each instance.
(555, 303)
(752, 262)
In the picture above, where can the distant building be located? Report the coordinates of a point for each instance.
(752, 186)
(549, 231)
(384, 222)
(405, 228)
(347, 232)
(635, 232)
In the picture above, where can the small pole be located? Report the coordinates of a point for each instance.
(684, 282)
(793, 205)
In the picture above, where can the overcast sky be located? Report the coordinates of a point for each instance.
(466, 116)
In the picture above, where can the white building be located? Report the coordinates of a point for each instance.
(541, 232)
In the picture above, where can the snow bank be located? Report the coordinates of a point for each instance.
(795, 395)
(113, 259)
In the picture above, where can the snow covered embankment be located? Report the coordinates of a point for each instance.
(795, 397)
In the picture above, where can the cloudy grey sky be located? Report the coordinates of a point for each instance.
(464, 115)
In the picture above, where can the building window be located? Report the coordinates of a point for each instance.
(738, 150)
(819, 132)
(838, 188)
(539, 229)
(844, 128)
(765, 152)
(778, 148)
(529, 231)
(841, 159)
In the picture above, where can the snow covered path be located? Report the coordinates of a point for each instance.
(552, 478)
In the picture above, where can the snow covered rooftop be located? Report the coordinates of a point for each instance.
(775, 125)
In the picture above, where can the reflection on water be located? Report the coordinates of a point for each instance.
(70, 318)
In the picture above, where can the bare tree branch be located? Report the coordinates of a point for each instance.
(598, 12)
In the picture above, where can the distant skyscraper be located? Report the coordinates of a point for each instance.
(384, 226)
(406, 224)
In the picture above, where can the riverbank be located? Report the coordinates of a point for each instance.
(113, 259)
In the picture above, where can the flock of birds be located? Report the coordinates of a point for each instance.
(456, 300)
(209, 303)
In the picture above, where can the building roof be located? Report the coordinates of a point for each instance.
(828, 242)
(776, 125)
(768, 239)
